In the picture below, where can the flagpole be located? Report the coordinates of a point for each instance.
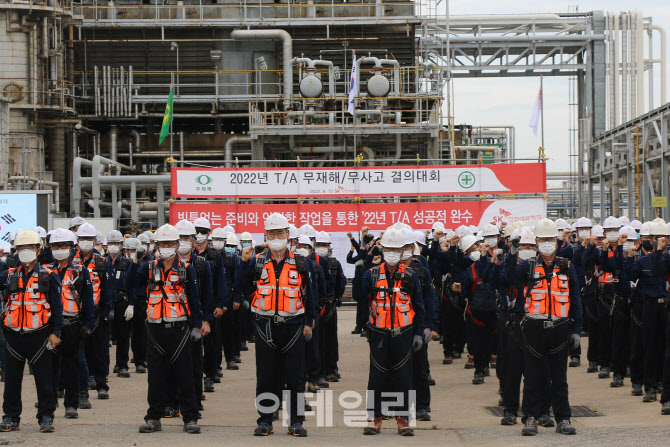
(542, 108)
(171, 84)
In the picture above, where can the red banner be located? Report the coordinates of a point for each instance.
(377, 216)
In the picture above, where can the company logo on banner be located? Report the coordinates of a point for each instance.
(360, 181)
(377, 216)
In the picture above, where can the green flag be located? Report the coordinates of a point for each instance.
(167, 119)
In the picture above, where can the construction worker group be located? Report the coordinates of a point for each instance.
(185, 300)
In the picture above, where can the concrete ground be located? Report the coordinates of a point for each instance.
(459, 412)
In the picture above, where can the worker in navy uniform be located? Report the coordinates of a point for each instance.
(620, 307)
(582, 231)
(97, 344)
(32, 322)
(328, 343)
(395, 330)
(117, 280)
(78, 319)
(651, 273)
(174, 319)
(282, 302)
(245, 317)
(356, 256)
(420, 367)
(552, 322)
(138, 341)
(662, 247)
(590, 296)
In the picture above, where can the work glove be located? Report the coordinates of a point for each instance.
(575, 339)
(130, 311)
(308, 337)
(514, 246)
(417, 343)
(427, 335)
(195, 335)
(245, 305)
(85, 332)
(338, 301)
(110, 317)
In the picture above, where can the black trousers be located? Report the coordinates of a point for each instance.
(591, 316)
(196, 361)
(484, 326)
(604, 306)
(29, 347)
(121, 329)
(169, 352)
(452, 322)
(621, 341)
(546, 365)
(420, 374)
(637, 342)
(138, 342)
(390, 369)
(97, 353)
(512, 347)
(501, 338)
(313, 354)
(246, 329)
(665, 396)
(329, 345)
(653, 329)
(212, 349)
(66, 364)
(230, 333)
(280, 360)
(362, 313)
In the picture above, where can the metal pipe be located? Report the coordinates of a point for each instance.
(398, 146)
(664, 64)
(639, 67)
(181, 147)
(276, 34)
(128, 179)
(113, 136)
(160, 198)
(529, 38)
(228, 147)
(133, 202)
(75, 195)
(138, 139)
(189, 154)
(38, 182)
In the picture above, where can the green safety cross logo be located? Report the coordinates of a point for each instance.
(466, 179)
(203, 179)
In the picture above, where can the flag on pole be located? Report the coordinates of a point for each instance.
(352, 85)
(535, 116)
(167, 119)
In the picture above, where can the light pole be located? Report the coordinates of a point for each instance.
(174, 46)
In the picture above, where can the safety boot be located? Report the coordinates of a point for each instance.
(151, 426)
(374, 427)
(470, 363)
(530, 427)
(403, 427)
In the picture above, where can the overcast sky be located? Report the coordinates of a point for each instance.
(509, 100)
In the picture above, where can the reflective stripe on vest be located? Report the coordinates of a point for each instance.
(279, 296)
(69, 295)
(538, 301)
(93, 273)
(27, 310)
(390, 310)
(605, 277)
(175, 307)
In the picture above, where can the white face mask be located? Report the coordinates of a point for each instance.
(200, 238)
(547, 248)
(303, 252)
(113, 249)
(406, 255)
(86, 246)
(27, 256)
(3, 258)
(475, 256)
(392, 258)
(133, 256)
(442, 240)
(277, 244)
(527, 254)
(59, 255)
(151, 247)
(627, 245)
(167, 253)
(322, 251)
(492, 241)
(583, 234)
(218, 245)
(612, 236)
(185, 247)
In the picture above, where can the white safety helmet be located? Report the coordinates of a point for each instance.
(99, 237)
(308, 230)
(246, 236)
(400, 226)
(623, 220)
(450, 235)
(509, 229)
(474, 229)
(220, 233)
(114, 236)
(584, 222)
(420, 237)
(276, 221)
(144, 239)
(658, 220)
(323, 238)
(27, 237)
(293, 232)
(490, 230)
(229, 229)
(546, 228)
(185, 228)
(305, 240)
(561, 224)
(645, 227)
(463, 231)
(408, 236)
(437, 226)
(393, 239)
(76, 221)
(637, 225)
(467, 242)
(598, 231)
(86, 230)
(201, 222)
(60, 235)
(657, 229)
(151, 235)
(41, 232)
(527, 237)
(132, 243)
(628, 231)
(611, 223)
(231, 240)
(167, 233)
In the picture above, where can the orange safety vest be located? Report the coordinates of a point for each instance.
(552, 299)
(93, 273)
(389, 311)
(28, 309)
(605, 277)
(282, 296)
(166, 298)
(69, 294)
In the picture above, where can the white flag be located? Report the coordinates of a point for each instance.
(352, 85)
(535, 116)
